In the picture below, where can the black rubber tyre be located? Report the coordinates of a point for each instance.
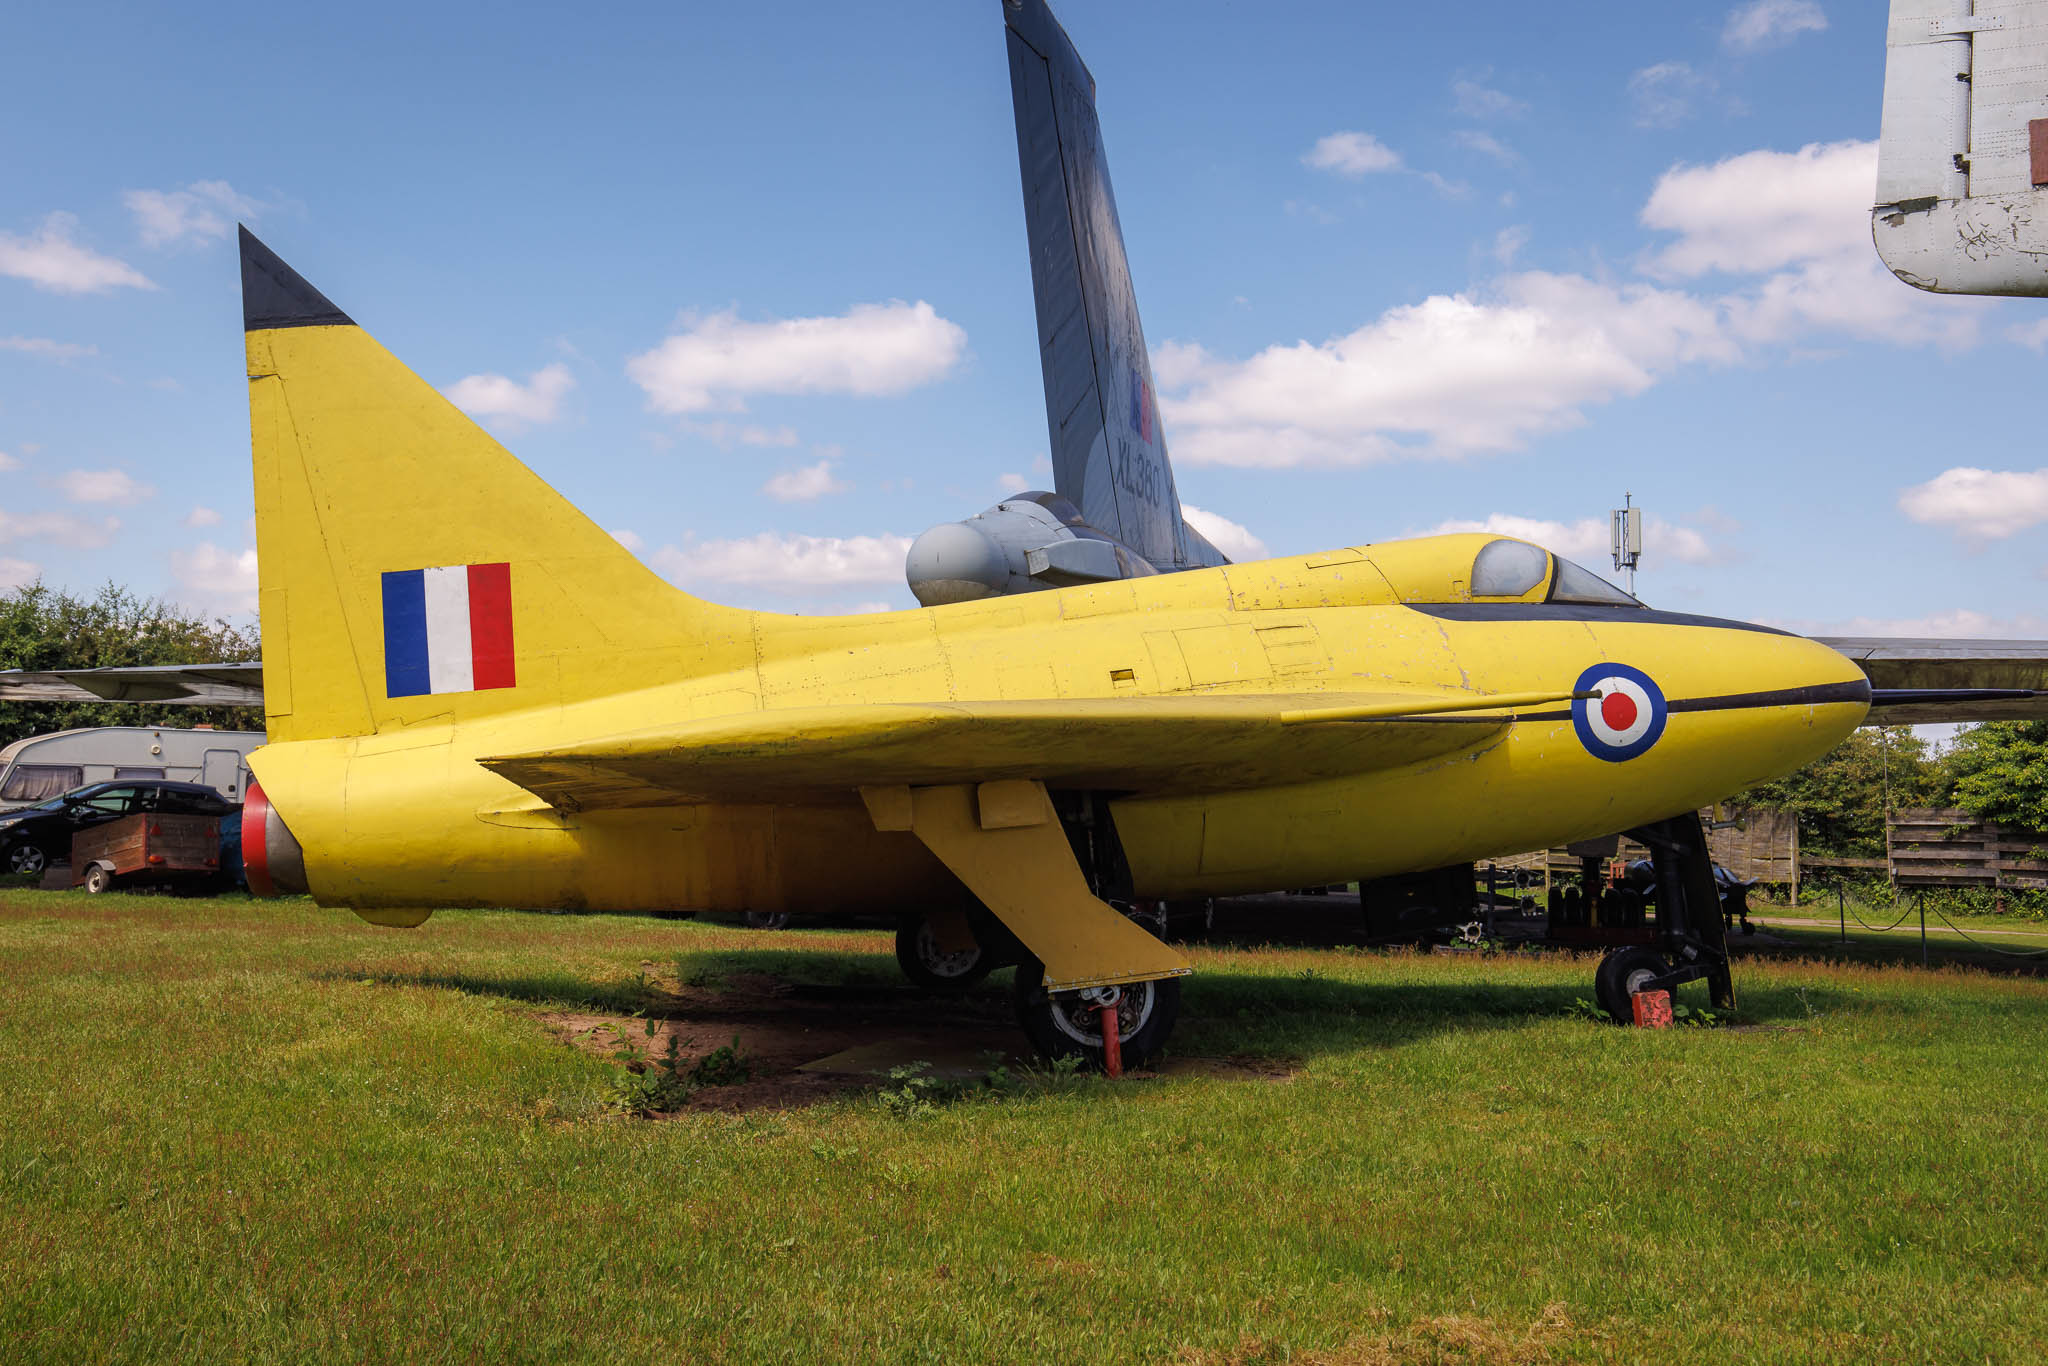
(930, 967)
(1621, 974)
(1061, 1025)
(27, 858)
(98, 879)
(765, 920)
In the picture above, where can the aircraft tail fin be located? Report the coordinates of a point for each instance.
(410, 568)
(1108, 448)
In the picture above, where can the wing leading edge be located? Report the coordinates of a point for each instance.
(1179, 744)
(1916, 681)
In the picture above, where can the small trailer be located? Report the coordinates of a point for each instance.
(155, 847)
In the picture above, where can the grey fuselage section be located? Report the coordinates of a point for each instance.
(1031, 541)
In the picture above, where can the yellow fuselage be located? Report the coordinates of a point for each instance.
(408, 818)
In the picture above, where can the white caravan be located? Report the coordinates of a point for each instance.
(38, 768)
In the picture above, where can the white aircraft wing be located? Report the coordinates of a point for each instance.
(197, 685)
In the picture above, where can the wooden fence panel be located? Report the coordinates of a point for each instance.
(1756, 845)
(1948, 847)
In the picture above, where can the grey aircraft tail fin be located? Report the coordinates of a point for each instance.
(1108, 449)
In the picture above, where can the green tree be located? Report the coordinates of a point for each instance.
(43, 628)
(1840, 798)
(2001, 772)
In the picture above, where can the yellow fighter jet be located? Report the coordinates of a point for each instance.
(476, 696)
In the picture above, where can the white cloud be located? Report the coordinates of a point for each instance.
(103, 486)
(1486, 144)
(1664, 94)
(1804, 215)
(43, 346)
(726, 434)
(59, 527)
(632, 540)
(1763, 210)
(804, 484)
(786, 564)
(1227, 536)
(1352, 154)
(211, 579)
(1589, 540)
(495, 397)
(1452, 375)
(1767, 23)
(870, 350)
(18, 573)
(52, 260)
(1012, 483)
(1527, 353)
(202, 516)
(1979, 505)
(8, 462)
(1474, 99)
(204, 209)
(2033, 334)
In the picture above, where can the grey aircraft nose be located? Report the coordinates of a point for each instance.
(954, 562)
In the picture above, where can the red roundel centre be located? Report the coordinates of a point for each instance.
(1617, 710)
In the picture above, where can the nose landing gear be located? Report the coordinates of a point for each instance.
(1691, 942)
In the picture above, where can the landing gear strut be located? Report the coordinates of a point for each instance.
(1691, 940)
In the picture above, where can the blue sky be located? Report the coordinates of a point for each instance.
(750, 285)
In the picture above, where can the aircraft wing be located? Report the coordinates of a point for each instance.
(1916, 681)
(198, 685)
(1178, 744)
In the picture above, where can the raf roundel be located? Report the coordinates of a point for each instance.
(1627, 716)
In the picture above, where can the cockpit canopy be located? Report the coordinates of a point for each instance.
(1517, 569)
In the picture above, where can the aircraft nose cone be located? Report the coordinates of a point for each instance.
(954, 562)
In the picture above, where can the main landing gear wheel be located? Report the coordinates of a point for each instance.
(27, 858)
(1068, 1024)
(1621, 975)
(930, 965)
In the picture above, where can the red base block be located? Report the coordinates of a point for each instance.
(1653, 1009)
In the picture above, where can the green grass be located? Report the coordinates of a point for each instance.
(264, 1132)
(1891, 933)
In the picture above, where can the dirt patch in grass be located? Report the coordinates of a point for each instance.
(1452, 1338)
(806, 1043)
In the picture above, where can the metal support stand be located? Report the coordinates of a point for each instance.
(1112, 1046)
(1842, 911)
(1920, 900)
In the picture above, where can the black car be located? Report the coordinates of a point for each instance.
(34, 837)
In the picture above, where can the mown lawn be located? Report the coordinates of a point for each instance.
(266, 1132)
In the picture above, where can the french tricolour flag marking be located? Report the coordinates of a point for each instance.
(447, 629)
